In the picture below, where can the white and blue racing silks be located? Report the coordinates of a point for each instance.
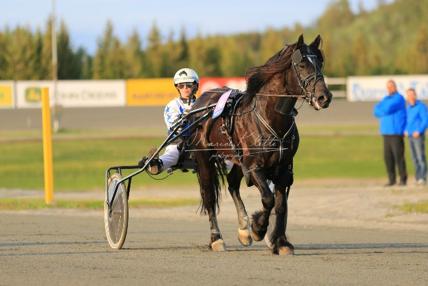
(173, 111)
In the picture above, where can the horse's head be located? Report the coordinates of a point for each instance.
(307, 62)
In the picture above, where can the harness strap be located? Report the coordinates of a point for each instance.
(266, 125)
(275, 135)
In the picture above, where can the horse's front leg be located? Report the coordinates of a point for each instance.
(261, 218)
(234, 181)
(278, 240)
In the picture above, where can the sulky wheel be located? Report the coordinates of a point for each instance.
(116, 216)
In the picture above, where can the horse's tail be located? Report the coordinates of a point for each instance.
(211, 197)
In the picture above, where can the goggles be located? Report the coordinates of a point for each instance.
(183, 85)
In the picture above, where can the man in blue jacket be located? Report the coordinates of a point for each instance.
(392, 114)
(417, 120)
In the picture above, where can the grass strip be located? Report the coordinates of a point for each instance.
(79, 165)
(418, 207)
(35, 204)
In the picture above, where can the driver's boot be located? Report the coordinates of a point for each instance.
(155, 165)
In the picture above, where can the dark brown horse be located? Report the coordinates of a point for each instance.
(260, 139)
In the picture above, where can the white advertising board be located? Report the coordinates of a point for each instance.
(373, 88)
(73, 93)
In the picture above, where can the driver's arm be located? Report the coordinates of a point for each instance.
(171, 115)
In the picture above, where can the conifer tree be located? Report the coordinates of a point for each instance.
(153, 57)
(68, 63)
(19, 55)
(133, 56)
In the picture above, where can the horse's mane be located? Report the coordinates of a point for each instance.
(258, 76)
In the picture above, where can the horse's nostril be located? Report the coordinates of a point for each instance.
(322, 99)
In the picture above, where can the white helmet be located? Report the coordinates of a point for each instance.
(186, 75)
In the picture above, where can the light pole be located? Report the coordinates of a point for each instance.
(55, 114)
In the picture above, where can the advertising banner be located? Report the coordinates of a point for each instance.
(373, 88)
(72, 93)
(207, 83)
(91, 93)
(150, 92)
(6, 94)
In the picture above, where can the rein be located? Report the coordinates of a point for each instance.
(282, 95)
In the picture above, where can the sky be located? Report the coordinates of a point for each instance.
(86, 19)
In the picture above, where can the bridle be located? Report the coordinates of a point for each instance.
(308, 95)
(296, 59)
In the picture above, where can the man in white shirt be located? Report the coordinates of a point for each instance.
(186, 82)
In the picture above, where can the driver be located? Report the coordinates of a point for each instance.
(186, 81)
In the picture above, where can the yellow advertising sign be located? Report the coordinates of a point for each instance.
(6, 97)
(150, 92)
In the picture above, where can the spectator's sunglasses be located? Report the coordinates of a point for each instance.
(182, 85)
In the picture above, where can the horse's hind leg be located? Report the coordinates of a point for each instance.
(244, 231)
(260, 221)
(209, 187)
(278, 238)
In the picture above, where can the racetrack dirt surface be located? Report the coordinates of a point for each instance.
(169, 246)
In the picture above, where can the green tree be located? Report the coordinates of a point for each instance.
(110, 60)
(337, 14)
(169, 63)
(38, 41)
(105, 44)
(419, 54)
(85, 63)
(3, 44)
(212, 61)
(183, 50)
(360, 53)
(153, 57)
(197, 53)
(116, 61)
(134, 56)
(68, 63)
(271, 43)
(19, 55)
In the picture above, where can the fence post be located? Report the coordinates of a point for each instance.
(47, 146)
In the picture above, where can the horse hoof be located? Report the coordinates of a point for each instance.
(269, 243)
(244, 237)
(285, 250)
(218, 245)
(256, 236)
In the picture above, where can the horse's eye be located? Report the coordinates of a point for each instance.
(302, 65)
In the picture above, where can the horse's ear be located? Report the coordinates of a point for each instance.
(300, 41)
(316, 43)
